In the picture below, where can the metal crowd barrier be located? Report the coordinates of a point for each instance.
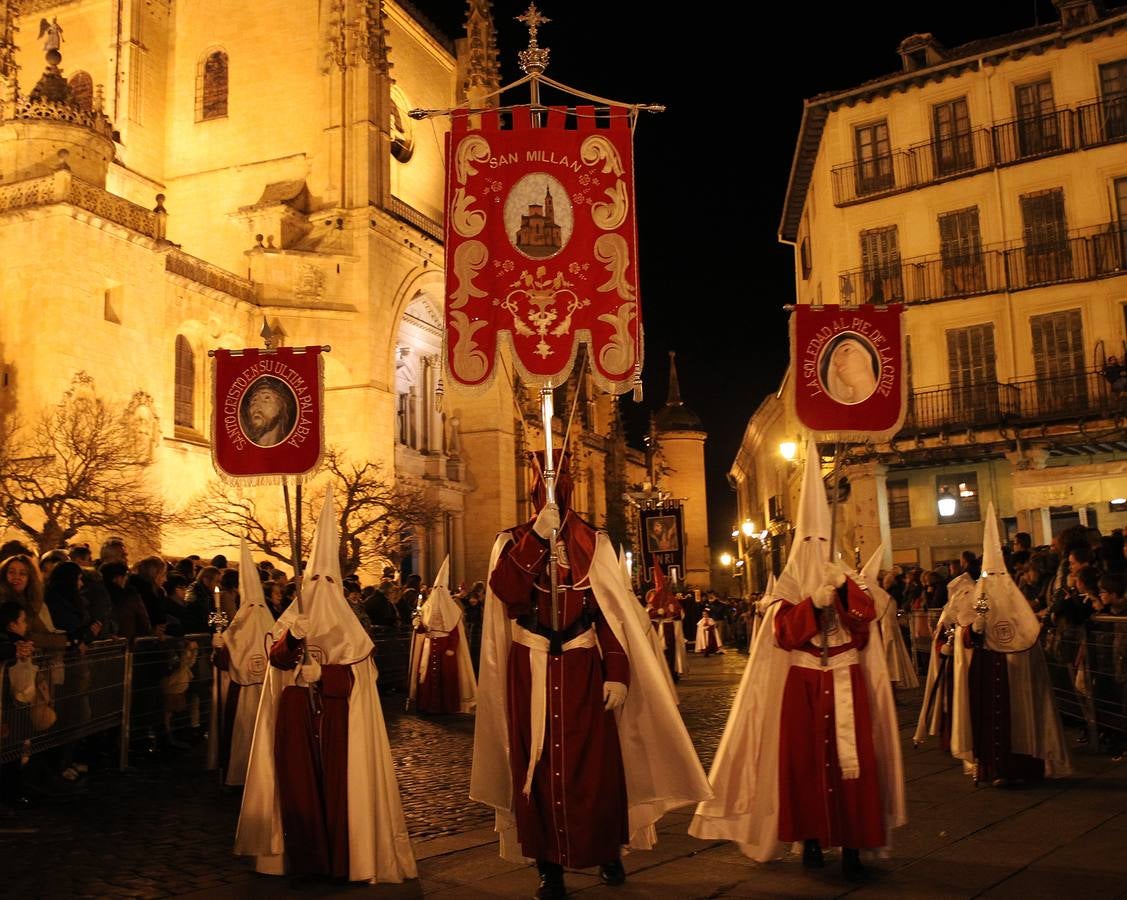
(1088, 670)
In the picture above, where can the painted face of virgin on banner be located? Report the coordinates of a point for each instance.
(267, 412)
(849, 380)
(541, 247)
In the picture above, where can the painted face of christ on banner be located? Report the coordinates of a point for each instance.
(662, 535)
(849, 369)
(268, 412)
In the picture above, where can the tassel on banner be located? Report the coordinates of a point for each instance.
(637, 396)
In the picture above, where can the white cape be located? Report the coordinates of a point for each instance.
(444, 616)
(379, 848)
(745, 773)
(661, 766)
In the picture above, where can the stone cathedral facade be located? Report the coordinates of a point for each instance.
(173, 174)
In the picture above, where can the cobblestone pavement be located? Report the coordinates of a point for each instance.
(166, 827)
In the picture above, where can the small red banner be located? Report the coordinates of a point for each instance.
(848, 364)
(541, 250)
(268, 413)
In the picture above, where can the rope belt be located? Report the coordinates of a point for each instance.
(845, 728)
(537, 646)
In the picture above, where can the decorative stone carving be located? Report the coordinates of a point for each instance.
(309, 282)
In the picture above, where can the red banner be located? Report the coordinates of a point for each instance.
(849, 381)
(541, 250)
(268, 413)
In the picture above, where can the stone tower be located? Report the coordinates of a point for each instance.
(680, 439)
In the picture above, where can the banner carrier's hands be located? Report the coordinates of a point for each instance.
(547, 521)
(614, 693)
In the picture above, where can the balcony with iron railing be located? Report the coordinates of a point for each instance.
(1082, 254)
(1036, 399)
(1093, 123)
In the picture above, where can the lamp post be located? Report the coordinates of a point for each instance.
(947, 503)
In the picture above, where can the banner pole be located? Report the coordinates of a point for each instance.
(289, 528)
(550, 491)
(297, 544)
(833, 543)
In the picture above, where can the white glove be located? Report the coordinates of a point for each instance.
(946, 650)
(309, 673)
(614, 693)
(832, 574)
(299, 627)
(979, 624)
(547, 521)
(824, 596)
(218, 641)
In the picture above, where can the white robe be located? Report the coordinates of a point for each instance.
(662, 770)
(379, 848)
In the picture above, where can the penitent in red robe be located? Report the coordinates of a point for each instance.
(440, 691)
(815, 799)
(575, 814)
(311, 756)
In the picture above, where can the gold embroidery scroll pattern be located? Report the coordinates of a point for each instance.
(614, 253)
(469, 259)
(470, 362)
(618, 354)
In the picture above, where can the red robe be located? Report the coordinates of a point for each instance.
(576, 813)
(440, 692)
(815, 800)
(707, 642)
(311, 755)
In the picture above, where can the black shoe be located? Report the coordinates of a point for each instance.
(812, 854)
(612, 874)
(851, 866)
(551, 881)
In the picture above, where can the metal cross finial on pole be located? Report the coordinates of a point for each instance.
(549, 474)
(534, 60)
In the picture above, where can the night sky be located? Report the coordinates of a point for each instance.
(711, 172)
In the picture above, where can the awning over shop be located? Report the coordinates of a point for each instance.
(1070, 485)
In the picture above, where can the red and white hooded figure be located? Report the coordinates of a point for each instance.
(441, 678)
(998, 712)
(811, 750)
(240, 658)
(667, 615)
(708, 635)
(901, 672)
(321, 795)
(578, 746)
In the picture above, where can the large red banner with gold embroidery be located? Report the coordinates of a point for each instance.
(849, 381)
(541, 249)
(268, 413)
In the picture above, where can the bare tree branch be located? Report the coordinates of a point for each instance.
(81, 466)
(376, 516)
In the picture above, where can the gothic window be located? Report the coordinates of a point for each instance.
(185, 416)
(211, 87)
(82, 90)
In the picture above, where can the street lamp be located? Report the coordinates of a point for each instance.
(725, 559)
(748, 528)
(788, 450)
(947, 503)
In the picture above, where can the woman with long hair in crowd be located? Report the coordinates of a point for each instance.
(20, 581)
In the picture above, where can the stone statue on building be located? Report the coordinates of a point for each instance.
(53, 32)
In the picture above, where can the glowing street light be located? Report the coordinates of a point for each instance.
(788, 450)
(748, 528)
(725, 559)
(947, 503)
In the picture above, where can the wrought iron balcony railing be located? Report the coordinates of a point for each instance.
(1082, 255)
(1086, 394)
(1093, 123)
(953, 407)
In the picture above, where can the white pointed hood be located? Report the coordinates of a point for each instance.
(440, 612)
(245, 636)
(805, 568)
(625, 570)
(1011, 625)
(870, 575)
(334, 634)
